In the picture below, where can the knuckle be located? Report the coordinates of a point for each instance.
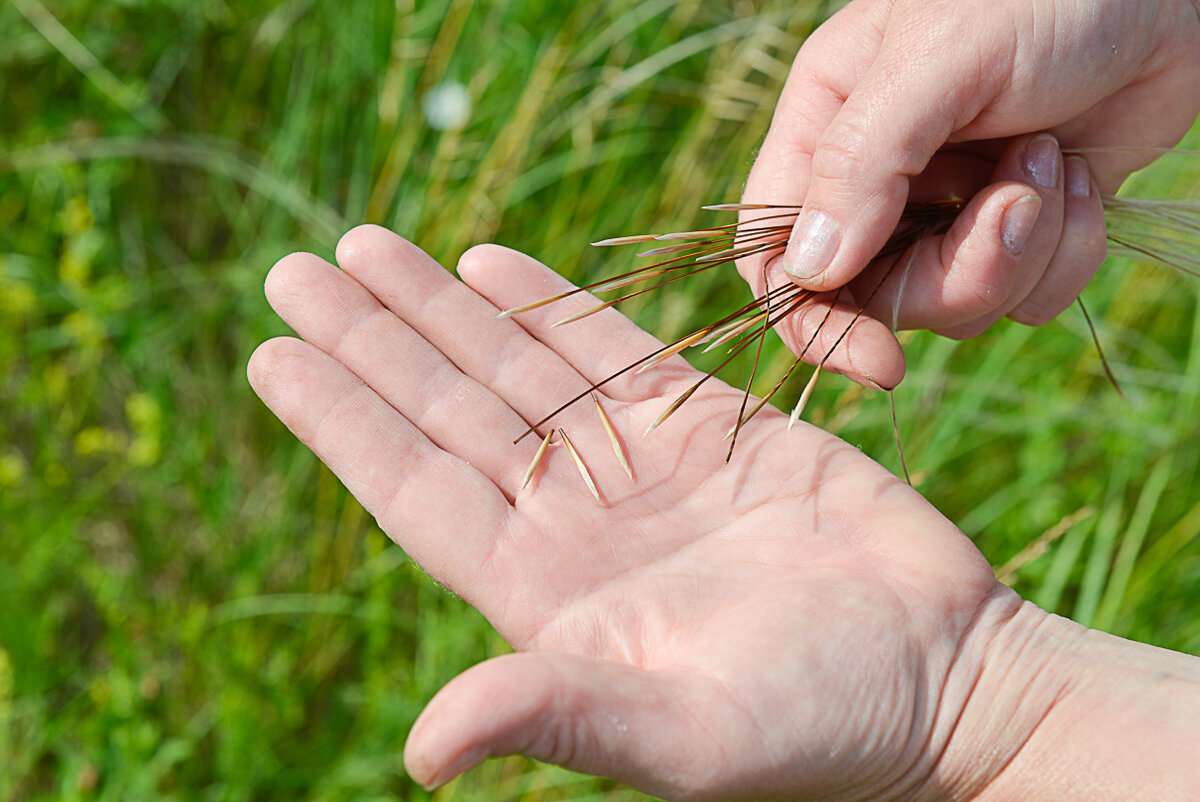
(841, 151)
(982, 286)
(988, 289)
(806, 331)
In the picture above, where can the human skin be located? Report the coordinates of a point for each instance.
(892, 100)
(795, 624)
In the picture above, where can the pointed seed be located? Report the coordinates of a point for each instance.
(687, 246)
(733, 329)
(700, 233)
(739, 207)
(804, 396)
(537, 458)
(669, 411)
(583, 471)
(585, 313)
(674, 349)
(612, 437)
(516, 310)
(630, 240)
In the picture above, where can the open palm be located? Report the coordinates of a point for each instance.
(795, 622)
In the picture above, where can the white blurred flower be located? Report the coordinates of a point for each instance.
(447, 106)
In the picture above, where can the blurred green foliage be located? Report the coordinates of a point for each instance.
(191, 607)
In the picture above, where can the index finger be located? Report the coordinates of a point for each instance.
(828, 67)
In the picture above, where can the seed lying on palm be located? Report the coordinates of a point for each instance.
(609, 430)
(798, 410)
(537, 459)
(579, 464)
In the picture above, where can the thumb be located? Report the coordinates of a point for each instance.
(890, 126)
(586, 714)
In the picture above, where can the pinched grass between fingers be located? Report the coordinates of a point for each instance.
(1166, 232)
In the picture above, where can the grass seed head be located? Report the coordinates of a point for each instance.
(1164, 232)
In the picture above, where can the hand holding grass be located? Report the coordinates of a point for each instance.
(796, 622)
(892, 100)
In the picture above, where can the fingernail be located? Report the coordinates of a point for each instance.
(1042, 160)
(1018, 223)
(814, 241)
(1079, 177)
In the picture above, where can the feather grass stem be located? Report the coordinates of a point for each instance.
(734, 329)
(1112, 378)
(1174, 226)
(766, 327)
(743, 207)
(762, 402)
(671, 408)
(686, 342)
(678, 402)
(896, 434)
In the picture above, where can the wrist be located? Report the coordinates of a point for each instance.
(1057, 711)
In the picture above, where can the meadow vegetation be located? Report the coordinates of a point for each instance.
(192, 607)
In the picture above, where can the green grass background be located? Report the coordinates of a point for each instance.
(191, 607)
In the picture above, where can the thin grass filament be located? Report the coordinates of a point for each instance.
(1163, 232)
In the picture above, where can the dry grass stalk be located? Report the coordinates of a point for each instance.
(1008, 572)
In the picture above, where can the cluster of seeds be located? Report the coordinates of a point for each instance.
(1166, 232)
